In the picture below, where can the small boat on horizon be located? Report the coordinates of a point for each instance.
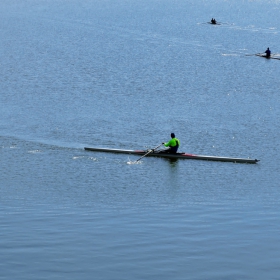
(272, 56)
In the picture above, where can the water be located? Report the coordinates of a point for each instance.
(124, 74)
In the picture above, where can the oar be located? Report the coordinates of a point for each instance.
(149, 152)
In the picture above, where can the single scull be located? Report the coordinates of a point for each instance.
(173, 156)
(270, 57)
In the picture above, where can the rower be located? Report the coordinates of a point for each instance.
(267, 53)
(213, 21)
(173, 145)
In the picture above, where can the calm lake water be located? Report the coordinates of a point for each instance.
(124, 74)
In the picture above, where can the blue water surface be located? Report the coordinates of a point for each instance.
(125, 74)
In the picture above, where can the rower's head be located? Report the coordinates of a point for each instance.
(172, 135)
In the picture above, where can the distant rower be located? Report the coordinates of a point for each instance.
(267, 52)
(173, 145)
(213, 21)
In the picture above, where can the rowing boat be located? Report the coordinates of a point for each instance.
(214, 23)
(173, 156)
(270, 57)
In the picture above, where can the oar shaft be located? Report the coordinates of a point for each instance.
(149, 152)
(144, 155)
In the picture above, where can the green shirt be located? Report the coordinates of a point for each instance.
(172, 143)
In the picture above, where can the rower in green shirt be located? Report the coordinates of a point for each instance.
(173, 145)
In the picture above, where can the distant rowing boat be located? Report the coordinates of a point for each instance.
(173, 156)
(214, 23)
(270, 57)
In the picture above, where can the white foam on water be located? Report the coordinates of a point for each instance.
(34, 151)
(133, 162)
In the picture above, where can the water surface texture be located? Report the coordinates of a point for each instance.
(125, 74)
